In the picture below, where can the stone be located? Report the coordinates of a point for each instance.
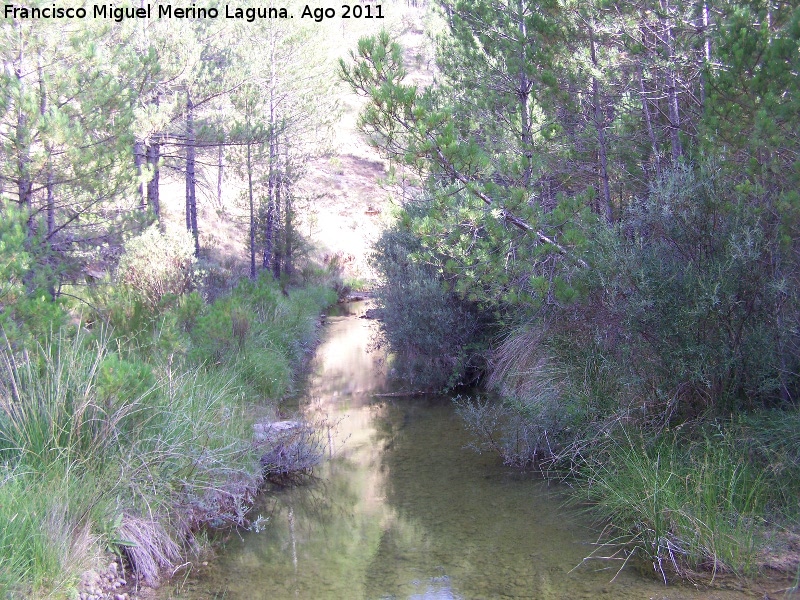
(264, 432)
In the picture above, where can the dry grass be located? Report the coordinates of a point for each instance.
(148, 546)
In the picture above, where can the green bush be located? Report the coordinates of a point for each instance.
(42, 538)
(27, 309)
(120, 380)
(157, 264)
(433, 334)
(213, 335)
(188, 309)
(687, 310)
(702, 295)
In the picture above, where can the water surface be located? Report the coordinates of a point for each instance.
(403, 511)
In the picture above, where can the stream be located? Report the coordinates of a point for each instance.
(403, 511)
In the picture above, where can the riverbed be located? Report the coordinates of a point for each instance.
(400, 509)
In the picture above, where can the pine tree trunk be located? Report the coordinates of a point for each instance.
(278, 255)
(287, 217)
(672, 85)
(24, 184)
(706, 29)
(50, 201)
(252, 213)
(191, 179)
(220, 167)
(523, 93)
(138, 161)
(153, 158)
(651, 133)
(600, 127)
(266, 258)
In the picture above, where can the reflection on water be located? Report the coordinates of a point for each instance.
(402, 511)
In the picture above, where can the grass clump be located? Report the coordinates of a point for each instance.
(131, 439)
(684, 505)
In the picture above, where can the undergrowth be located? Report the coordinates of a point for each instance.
(685, 505)
(131, 434)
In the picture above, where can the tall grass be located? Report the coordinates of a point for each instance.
(108, 446)
(682, 504)
(120, 470)
(49, 409)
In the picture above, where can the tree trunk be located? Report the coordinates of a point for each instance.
(51, 201)
(220, 167)
(252, 213)
(672, 85)
(278, 255)
(24, 183)
(266, 258)
(706, 28)
(138, 161)
(191, 180)
(273, 208)
(50, 193)
(600, 127)
(523, 93)
(153, 158)
(287, 215)
(651, 133)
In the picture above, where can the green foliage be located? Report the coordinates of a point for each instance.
(773, 441)
(696, 503)
(213, 335)
(156, 265)
(119, 380)
(41, 535)
(188, 309)
(264, 369)
(135, 448)
(14, 261)
(702, 295)
(687, 312)
(259, 333)
(27, 310)
(49, 406)
(431, 331)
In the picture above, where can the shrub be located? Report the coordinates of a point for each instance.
(27, 309)
(120, 380)
(687, 310)
(433, 334)
(156, 264)
(701, 293)
(188, 309)
(213, 335)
